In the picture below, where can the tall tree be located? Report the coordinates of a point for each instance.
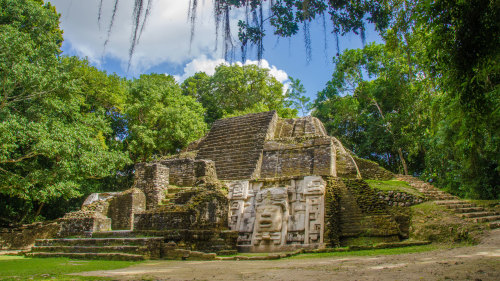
(374, 103)
(235, 90)
(53, 139)
(463, 46)
(160, 119)
(295, 94)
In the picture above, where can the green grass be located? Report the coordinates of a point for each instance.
(395, 185)
(494, 204)
(391, 251)
(438, 224)
(21, 268)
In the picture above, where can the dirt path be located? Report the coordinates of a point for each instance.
(481, 262)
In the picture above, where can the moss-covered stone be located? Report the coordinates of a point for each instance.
(371, 170)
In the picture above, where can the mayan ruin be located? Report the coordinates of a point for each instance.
(250, 140)
(254, 183)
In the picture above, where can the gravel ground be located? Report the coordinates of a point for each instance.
(480, 262)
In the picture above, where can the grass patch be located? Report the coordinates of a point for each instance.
(21, 268)
(491, 204)
(435, 223)
(395, 185)
(377, 252)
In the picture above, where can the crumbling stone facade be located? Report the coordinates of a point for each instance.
(256, 183)
(153, 180)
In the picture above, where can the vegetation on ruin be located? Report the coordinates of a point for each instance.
(425, 102)
(21, 268)
(393, 185)
(431, 222)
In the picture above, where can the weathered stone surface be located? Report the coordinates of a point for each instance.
(78, 223)
(24, 237)
(122, 208)
(271, 218)
(298, 157)
(299, 127)
(372, 171)
(235, 144)
(153, 180)
(190, 172)
(96, 197)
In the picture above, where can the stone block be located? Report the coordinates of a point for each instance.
(122, 208)
(153, 180)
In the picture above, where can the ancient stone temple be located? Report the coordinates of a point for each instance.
(254, 183)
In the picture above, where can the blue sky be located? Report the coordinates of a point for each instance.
(165, 46)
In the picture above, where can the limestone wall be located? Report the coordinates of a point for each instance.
(153, 180)
(298, 157)
(190, 172)
(23, 237)
(122, 208)
(299, 127)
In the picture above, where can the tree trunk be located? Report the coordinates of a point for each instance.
(39, 210)
(405, 168)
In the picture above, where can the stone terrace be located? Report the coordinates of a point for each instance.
(235, 144)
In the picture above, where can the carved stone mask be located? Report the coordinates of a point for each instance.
(269, 218)
(271, 204)
(315, 186)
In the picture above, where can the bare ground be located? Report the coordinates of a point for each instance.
(480, 262)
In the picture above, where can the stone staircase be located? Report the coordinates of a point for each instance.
(109, 248)
(173, 194)
(463, 208)
(472, 212)
(428, 190)
(235, 144)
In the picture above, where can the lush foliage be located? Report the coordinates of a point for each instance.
(236, 90)
(159, 118)
(68, 129)
(427, 101)
(54, 134)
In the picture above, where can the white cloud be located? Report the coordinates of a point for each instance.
(201, 64)
(166, 38)
(204, 64)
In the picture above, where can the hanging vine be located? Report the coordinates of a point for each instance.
(283, 15)
(110, 26)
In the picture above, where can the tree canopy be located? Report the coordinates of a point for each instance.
(430, 93)
(53, 135)
(235, 90)
(160, 119)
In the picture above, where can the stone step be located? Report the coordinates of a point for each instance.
(120, 234)
(175, 190)
(477, 214)
(494, 224)
(449, 202)
(467, 209)
(97, 241)
(88, 256)
(136, 250)
(169, 196)
(486, 219)
(458, 206)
